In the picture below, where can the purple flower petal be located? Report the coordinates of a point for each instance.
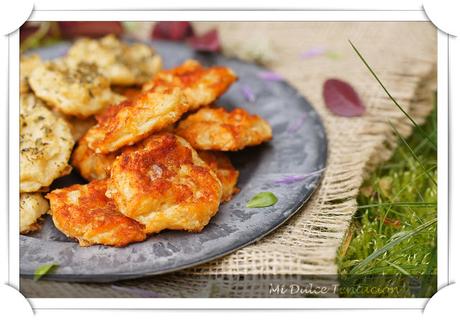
(247, 93)
(296, 178)
(295, 125)
(290, 179)
(140, 293)
(313, 52)
(270, 76)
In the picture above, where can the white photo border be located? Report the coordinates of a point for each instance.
(227, 303)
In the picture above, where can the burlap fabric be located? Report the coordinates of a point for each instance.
(404, 56)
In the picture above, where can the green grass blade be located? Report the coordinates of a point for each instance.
(422, 144)
(430, 287)
(428, 174)
(400, 269)
(34, 40)
(399, 204)
(431, 268)
(391, 244)
(391, 97)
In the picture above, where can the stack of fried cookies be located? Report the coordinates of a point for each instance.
(151, 143)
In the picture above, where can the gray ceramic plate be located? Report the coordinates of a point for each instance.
(290, 166)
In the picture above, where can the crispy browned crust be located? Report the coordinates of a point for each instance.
(168, 96)
(96, 166)
(85, 213)
(163, 184)
(92, 165)
(200, 85)
(224, 170)
(132, 120)
(218, 129)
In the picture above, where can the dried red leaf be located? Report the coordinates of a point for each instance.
(31, 27)
(341, 99)
(26, 30)
(208, 42)
(172, 30)
(92, 29)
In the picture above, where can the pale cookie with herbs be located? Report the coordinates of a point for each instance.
(78, 126)
(122, 63)
(27, 65)
(80, 90)
(32, 206)
(45, 145)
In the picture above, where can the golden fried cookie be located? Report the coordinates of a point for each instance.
(218, 129)
(200, 85)
(224, 170)
(84, 212)
(92, 165)
(123, 64)
(157, 107)
(45, 145)
(132, 120)
(163, 184)
(31, 207)
(27, 65)
(79, 90)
